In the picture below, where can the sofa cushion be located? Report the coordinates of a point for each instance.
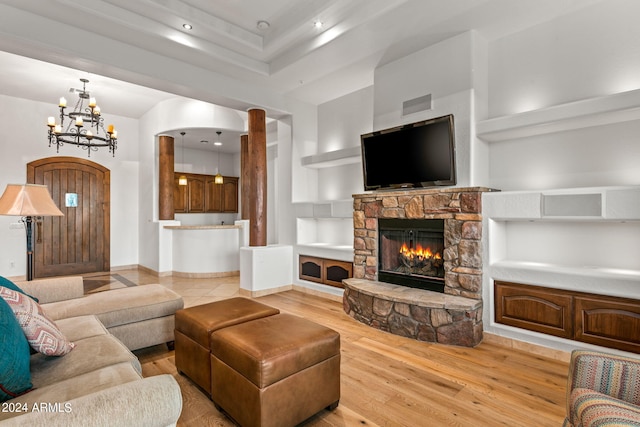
(10, 285)
(90, 354)
(81, 327)
(594, 409)
(42, 333)
(15, 377)
(120, 306)
(77, 386)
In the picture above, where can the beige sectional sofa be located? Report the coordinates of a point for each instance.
(100, 381)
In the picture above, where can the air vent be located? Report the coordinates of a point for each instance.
(415, 105)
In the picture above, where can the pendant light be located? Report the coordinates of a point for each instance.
(183, 178)
(218, 179)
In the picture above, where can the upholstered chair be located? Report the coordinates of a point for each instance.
(602, 389)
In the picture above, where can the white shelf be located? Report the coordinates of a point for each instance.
(576, 205)
(345, 156)
(330, 209)
(326, 250)
(599, 280)
(616, 108)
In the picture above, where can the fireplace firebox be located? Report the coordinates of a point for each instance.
(411, 253)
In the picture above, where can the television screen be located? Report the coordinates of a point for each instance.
(420, 154)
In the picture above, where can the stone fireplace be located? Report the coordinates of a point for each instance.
(451, 314)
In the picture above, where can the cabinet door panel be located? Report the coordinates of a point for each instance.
(311, 268)
(196, 194)
(608, 322)
(536, 309)
(230, 195)
(179, 197)
(336, 271)
(213, 196)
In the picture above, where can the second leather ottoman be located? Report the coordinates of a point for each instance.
(276, 371)
(194, 326)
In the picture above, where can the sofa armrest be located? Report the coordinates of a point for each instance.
(152, 401)
(609, 374)
(54, 289)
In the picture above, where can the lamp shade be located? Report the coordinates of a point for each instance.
(28, 200)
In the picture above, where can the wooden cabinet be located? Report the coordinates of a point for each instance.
(326, 271)
(597, 319)
(203, 195)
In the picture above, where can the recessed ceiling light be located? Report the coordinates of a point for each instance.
(263, 25)
(187, 26)
(217, 143)
(318, 24)
(204, 141)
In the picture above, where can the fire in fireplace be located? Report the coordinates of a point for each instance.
(410, 252)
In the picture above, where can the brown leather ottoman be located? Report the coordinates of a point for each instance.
(195, 324)
(275, 371)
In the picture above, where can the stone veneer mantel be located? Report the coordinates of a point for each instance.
(453, 323)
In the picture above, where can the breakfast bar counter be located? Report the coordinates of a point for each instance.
(206, 250)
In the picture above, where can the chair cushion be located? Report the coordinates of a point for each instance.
(593, 409)
(42, 333)
(15, 377)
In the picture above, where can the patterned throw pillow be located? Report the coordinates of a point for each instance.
(41, 332)
(15, 377)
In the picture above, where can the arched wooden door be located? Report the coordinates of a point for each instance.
(79, 241)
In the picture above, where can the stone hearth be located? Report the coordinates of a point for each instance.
(420, 314)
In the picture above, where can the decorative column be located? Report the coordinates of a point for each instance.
(257, 164)
(245, 180)
(166, 178)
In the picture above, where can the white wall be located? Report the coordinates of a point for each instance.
(24, 138)
(590, 53)
(449, 71)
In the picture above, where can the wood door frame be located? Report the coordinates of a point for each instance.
(106, 191)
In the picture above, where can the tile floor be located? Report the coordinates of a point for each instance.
(193, 291)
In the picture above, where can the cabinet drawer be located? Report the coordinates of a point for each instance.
(311, 268)
(609, 322)
(326, 271)
(537, 309)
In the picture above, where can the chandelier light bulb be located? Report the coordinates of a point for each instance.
(62, 103)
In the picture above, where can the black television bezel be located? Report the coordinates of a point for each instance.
(408, 185)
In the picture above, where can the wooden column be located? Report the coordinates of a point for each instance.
(166, 179)
(245, 179)
(257, 156)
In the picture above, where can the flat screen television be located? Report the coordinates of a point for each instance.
(420, 154)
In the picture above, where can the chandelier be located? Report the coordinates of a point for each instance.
(85, 127)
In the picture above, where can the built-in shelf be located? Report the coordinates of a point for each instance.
(339, 209)
(345, 156)
(612, 281)
(574, 205)
(604, 110)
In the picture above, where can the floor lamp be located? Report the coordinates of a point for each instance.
(28, 201)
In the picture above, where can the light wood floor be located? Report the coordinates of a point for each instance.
(388, 380)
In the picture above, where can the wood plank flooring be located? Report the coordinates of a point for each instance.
(388, 380)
